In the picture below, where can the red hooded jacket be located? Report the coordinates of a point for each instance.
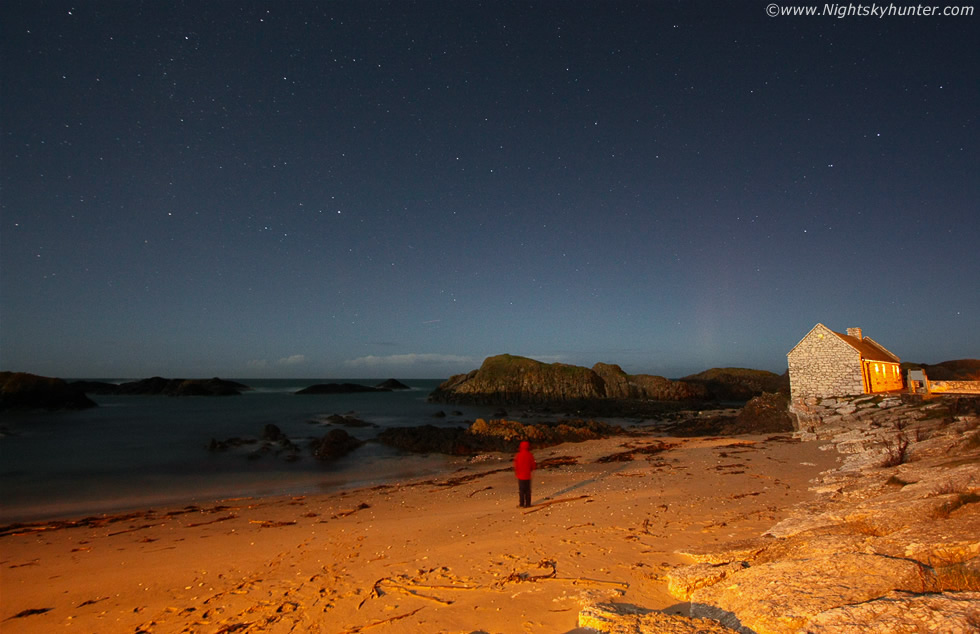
(524, 462)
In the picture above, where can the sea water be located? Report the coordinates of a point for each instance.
(142, 451)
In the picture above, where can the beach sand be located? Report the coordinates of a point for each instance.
(449, 554)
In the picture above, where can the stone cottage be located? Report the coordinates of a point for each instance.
(827, 363)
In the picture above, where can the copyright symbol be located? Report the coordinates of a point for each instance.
(772, 10)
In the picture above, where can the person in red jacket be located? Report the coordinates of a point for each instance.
(524, 464)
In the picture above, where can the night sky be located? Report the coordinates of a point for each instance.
(373, 189)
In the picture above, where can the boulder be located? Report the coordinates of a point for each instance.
(764, 414)
(23, 391)
(334, 444)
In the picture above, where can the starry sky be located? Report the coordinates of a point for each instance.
(374, 189)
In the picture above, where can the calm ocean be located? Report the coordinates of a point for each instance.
(142, 451)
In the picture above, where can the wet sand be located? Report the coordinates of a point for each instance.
(446, 554)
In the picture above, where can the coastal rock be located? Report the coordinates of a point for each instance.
(951, 613)
(764, 414)
(23, 391)
(885, 524)
(492, 435)
(334, 444)
(340, 388)
(739, 384)
(806, 588)
(96, 387)
(429, 439)
(344, 420)
(391, 384)
(159, 386)
(683, 582)
(620, 618)
(509, 380)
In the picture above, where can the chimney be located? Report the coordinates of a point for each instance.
(856, 333)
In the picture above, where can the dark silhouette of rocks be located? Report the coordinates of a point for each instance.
(512, 380)
(24, 391)
(96, 387)
(739, 384)
(765, 414)
(344, 420)
(340, 388)
(957, 370)
(334, 444)
(493, 435)
(392, 384)
(159, 386)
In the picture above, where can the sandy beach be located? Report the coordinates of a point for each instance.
(446, 554)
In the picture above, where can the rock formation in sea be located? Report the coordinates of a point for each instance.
(508, 380)
(392, 384)
(24, 391)
(159, 386)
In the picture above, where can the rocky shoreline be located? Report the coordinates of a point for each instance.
(890, 544)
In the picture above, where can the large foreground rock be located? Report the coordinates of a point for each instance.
(805, 588)
(951, 613)
(889, 543)
(23, 391)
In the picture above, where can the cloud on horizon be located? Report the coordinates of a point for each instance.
(409, 360)
(293, 360)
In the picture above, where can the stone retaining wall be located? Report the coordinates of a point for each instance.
(955, 387)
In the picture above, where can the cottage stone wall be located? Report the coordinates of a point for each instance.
(824, 365)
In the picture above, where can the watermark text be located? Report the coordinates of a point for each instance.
(868, 10)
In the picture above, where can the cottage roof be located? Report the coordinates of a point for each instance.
(868, 348)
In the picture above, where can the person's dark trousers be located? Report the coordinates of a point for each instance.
(524, 492)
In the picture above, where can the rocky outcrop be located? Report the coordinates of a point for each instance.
(159, 386)
(739, 384)
(957, 370)
(493, 435)
(891, 543)
(510, 380)
(23, 391)
(392, 384)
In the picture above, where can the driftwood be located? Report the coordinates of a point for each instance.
(361, 628)
(271, 524)
(538, 507)
(359, 507)
(220, 519)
